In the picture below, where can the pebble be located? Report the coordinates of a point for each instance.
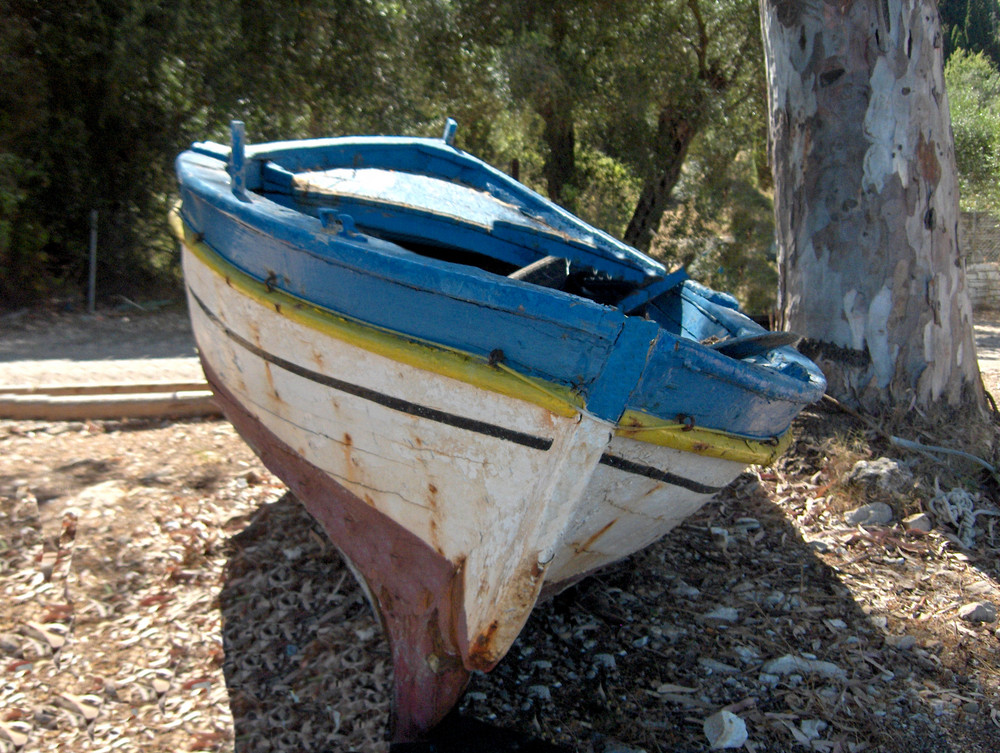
(747, 654)
(774, 599)
(616, 746)
(883, 474)
(978, 611)
(17, 733)
(725, 730)
(605, 661)
(875, 514)
(812, 728)
(746, 526)
(685, 590)
(918, 522)
(902, 642)
(717, 667)
(541, 692)
(720, 536)
(723, 614)
(789, 664)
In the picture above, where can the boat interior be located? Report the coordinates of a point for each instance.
(443, 220)
(455, 209)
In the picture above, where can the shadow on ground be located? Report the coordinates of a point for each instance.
(634, 658)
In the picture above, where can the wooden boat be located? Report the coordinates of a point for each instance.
(479, 396)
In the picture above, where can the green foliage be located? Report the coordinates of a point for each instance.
(608, 193)
(721, 226)
(973, 84)
(100, 95)
(972, 26)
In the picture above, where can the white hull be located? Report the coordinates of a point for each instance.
(512, 494)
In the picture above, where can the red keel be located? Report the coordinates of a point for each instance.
(415, 591)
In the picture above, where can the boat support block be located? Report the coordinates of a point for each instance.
(415, 592)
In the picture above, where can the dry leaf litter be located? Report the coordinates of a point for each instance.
(160, 591)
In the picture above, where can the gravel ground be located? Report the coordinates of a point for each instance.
(160, 591)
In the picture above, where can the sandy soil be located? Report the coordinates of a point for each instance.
(43, 348)
(159, 591)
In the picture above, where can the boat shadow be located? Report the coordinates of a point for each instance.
(636, 656)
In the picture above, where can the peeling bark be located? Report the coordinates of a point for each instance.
(866, 199)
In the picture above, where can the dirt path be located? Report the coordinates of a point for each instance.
(46, 348)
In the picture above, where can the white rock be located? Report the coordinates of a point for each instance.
(788, 664)
(875, 514)
(725, 730)
(724, 614)
(883, 474)
(978, 611)
(812, 728)
(717, 667)
(605, 661)
(902, 642)
(918, 522)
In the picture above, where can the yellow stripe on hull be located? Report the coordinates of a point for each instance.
(476, 370)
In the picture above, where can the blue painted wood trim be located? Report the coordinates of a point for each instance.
(613, 388)
(237, 160)
(655, 289)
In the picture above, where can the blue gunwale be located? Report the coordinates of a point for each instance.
(543, 334)
(471, 369)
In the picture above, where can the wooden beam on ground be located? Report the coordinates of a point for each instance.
(103, 389)
(81, 402)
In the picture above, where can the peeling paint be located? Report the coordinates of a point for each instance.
(877, 334)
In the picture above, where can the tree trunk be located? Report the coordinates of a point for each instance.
(559, 135)
(866, 200)
(675, 132)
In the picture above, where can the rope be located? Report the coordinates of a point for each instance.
(957, 507)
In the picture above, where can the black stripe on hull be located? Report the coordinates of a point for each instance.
(656, 474)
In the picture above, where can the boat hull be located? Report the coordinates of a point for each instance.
(454, 505)
(472, 434)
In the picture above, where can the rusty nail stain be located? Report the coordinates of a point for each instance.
(479, 651)
(586, 544)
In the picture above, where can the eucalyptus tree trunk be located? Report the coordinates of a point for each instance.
(866, 200)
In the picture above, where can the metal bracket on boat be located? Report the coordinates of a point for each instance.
(332, 220)
(238, 160)
(450, 126)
